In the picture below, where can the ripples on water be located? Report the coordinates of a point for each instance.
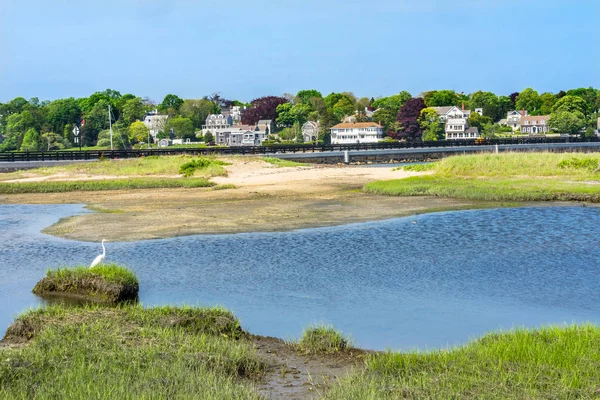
(441, 281)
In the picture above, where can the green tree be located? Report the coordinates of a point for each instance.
(138, 132)
(120, 138)
(491, 131)
(208, 137)
(570, 104)
(16, 126)
(134, 110)
(171, 104)
(333, 98)
(183, 128)
(440, 98)
(567, 122)
(392, 102)
(60, 113)
(197, 110)
(487, 101)
(52, 141)
(305, 96)
(548, 100)
(478, 121)
(433, 129)
(96, 120)
(285, 117)
(530, 100)
(31, 141)
(589, 96)
(387, 118)
(343, 108)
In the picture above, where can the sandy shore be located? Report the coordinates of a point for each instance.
(265, 198)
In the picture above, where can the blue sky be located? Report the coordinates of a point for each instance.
(246, 49)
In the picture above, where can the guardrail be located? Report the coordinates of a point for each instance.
(267, 150)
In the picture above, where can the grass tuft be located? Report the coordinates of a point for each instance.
(224, 186)
(417, 167)
(322, 339)
(279, 163)
(203, 164)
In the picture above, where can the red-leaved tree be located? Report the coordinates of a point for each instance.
(262, 108)
(407, 117)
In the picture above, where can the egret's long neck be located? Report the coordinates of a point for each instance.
(103, 249)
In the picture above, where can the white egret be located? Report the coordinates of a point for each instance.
(100, 257)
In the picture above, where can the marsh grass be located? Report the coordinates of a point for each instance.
(321, 339)
(108, 283)
(416, 167)
(204, 165)
(504, 177)
(129, 353)
(112, 273)
(279, 163)
(549, 363)
(104, 184)
(131, 167)
(224, 186)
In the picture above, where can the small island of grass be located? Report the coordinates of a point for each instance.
(107, 283)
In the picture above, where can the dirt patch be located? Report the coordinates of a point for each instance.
(293, 375)
(93, 289)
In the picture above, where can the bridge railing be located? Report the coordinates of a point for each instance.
(269, 150)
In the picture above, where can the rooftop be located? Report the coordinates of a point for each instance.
(351, 125)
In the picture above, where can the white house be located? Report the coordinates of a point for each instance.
(310, 131)
(360, 132)
(215, 122)
(513, 119)
(448, 112)
(155, 122)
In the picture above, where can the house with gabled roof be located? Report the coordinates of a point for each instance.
(310, 131)
(535, 124)
(359, 132)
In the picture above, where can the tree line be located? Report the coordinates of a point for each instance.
(48, 125)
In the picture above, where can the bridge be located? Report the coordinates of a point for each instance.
(312, 153)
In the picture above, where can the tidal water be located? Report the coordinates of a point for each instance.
(421, 282)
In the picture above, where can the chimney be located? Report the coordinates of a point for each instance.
(523, 112)
(463, 106)
(379, 123)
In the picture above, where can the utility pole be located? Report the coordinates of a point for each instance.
(110, 126)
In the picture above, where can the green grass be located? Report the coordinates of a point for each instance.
(416, 167)
(322, 339)
(139, 167)
(203, 165)
(549, 363)
(504, 177)
(106, 283)
(129, 353)
(109, 272)
(224, 186)
(279, 163)
(105, 184)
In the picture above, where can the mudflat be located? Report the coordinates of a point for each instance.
(255, 196)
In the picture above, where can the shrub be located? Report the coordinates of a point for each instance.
(189, 168)
(580, 163)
